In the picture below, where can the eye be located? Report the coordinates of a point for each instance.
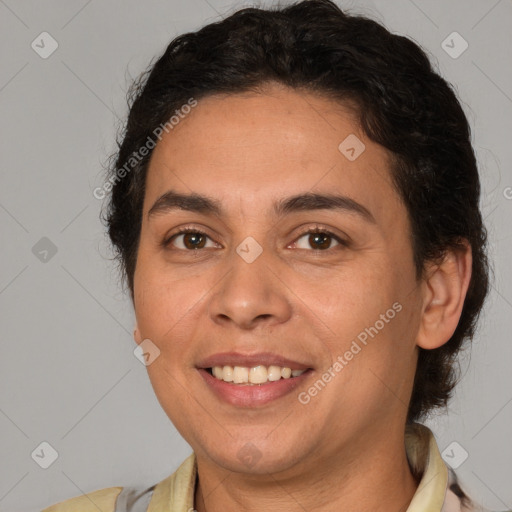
(192, 239)
(320, 239)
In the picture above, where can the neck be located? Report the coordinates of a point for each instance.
(377, 478)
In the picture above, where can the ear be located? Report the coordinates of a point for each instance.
(136, 335)
(444, 291)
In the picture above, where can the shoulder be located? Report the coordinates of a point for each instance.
(102, 499)
(177, 489)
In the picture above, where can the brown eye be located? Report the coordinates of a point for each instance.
(323, 240)
(320, 240)
(191, 240)
(194, 240)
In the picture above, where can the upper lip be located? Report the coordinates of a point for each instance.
(250, 360)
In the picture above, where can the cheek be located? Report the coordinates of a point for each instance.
(167, 307)
(373, 315)
(166, 310)
(356, 297)
(376, 364)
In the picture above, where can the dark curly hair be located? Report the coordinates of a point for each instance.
(401, 102)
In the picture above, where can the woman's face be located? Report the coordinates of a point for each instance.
(258, 288)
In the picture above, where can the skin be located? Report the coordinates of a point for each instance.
(344, 450)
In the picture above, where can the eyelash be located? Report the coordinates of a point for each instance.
(310, 230)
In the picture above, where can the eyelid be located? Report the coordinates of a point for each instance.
(184, 230)
(343, 240)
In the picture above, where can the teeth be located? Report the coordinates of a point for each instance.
(217, 372)
(255, 375)
(258, 375)
(227, 373)
(240, 374)
(274, 373)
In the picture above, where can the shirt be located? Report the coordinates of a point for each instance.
(438, 489)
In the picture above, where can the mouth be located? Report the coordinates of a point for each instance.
(252, 380)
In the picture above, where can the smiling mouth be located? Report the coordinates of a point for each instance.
(243, 375)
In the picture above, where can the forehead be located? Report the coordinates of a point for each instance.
(243, 148)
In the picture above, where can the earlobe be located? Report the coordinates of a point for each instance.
(136, 335)
(445, 289)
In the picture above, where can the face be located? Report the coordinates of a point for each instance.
(318, 284)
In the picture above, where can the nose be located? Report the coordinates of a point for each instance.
(251, 294)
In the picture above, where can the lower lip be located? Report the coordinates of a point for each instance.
(252, 396)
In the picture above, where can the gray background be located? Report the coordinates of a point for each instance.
(68, 373)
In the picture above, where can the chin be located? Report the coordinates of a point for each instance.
(256, 456)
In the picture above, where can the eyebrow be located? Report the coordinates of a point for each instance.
(198, 203)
